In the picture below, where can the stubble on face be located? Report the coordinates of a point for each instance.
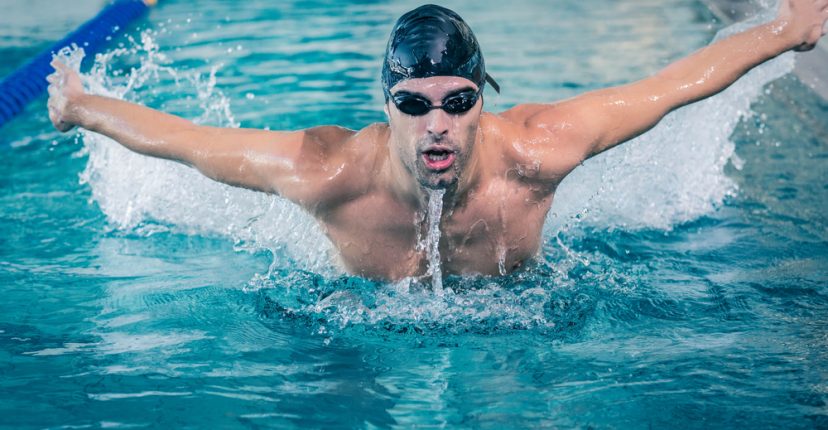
(448, 178)
(416, 138)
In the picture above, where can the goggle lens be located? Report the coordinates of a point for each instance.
(455, 104)
(412, 105)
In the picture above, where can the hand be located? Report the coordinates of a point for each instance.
(65, 89)
(804, 21)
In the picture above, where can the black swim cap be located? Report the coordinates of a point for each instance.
(433, 41)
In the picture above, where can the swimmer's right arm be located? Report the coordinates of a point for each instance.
(296, 165)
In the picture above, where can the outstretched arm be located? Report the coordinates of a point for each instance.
(292, 164)
(594, 122)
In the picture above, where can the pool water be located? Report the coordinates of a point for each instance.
(683, 280)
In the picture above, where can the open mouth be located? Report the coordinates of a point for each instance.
(438, 159)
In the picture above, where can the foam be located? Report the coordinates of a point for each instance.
(145, 195)
(675, 172)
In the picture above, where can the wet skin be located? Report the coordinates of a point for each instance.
(492, 214)
(499, 187)
(369, 189)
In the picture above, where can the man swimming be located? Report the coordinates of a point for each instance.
(369, 189)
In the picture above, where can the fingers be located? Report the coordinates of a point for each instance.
(56, 81)
(58, 77)
(54, 117)
(59, 65)
(57, 101)
(54, 78)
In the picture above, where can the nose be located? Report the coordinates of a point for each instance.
(438, 123)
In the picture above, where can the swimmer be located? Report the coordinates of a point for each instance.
(369, 188)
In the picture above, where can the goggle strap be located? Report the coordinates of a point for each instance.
(493, 83)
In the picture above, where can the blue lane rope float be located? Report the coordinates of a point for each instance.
(29, 81)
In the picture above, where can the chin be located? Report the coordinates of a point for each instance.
(438, 183)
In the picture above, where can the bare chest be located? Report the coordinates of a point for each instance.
(493, 232)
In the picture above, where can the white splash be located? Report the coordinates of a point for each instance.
(148, 195)
(672, 174)
(435, 212)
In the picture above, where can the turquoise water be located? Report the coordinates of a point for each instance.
(682, 281)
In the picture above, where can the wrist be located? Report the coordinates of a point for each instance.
(78, 112)
(782, 31)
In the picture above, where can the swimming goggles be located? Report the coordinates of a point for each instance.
(454, 104)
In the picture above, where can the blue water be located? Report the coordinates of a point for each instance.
(683, 280)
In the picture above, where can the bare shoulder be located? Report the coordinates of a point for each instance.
(560, 118)
(371, 134)
(334, 144)
(542, 141)
(364, 146)
(330, 134)
(337, 164)
(326, 140)
(369, 151)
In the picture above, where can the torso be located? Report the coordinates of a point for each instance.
(495, 229)
(495, 232)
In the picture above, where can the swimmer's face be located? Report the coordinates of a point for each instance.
(434, 147)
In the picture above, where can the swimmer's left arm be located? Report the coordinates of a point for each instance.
(594, 122)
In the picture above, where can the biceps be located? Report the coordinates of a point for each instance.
(617, 115)
(234, 168)
(564, 134)
(252, 159)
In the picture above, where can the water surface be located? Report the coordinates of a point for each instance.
(682, 280)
